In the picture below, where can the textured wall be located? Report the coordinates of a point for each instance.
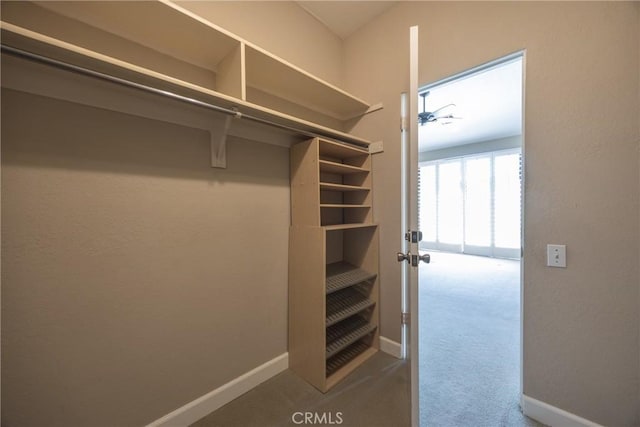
(581, 349)
(135, 278)
(281, 27)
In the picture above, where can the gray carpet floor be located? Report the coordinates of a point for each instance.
(375, 395)
(470, 342)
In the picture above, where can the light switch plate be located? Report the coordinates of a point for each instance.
(557, 256)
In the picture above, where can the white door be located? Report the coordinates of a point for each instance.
(409, 254)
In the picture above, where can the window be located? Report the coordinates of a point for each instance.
(472, 204)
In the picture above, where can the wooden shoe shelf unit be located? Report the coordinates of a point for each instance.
(333, 262)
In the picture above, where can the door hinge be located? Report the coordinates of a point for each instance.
(405, 318)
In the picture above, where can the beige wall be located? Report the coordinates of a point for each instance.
(282, 28)
(135, 278)
(581, 156)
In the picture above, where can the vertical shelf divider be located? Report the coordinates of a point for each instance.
(231, 76)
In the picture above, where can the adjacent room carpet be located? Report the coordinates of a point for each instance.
(470, 342)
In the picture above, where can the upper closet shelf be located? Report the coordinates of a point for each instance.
(161, 44)
(278, 78)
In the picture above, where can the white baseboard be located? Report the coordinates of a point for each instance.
(202, 406)
(391, 347)
(552, 416)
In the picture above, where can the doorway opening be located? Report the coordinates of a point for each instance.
(469, 203)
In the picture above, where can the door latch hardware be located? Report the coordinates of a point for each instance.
(413, 236)
(403, 257)
(415, 259)
(412, 259)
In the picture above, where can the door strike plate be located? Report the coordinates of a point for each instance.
(414, 260)
(413, 236)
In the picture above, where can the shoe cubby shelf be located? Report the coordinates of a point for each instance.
(333, 267)
(162, 44)
(344, 360)
(347, 332)
(346, 303)
(341, 275)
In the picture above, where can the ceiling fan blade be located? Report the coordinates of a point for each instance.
(442, 108)
(445, 120)
(447, 117)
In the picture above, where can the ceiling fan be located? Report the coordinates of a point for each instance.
(436, 115)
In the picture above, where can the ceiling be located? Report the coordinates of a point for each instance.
(489, 102)
(343, 18)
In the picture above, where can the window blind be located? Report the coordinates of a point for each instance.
(472, 204)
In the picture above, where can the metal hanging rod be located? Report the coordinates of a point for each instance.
(113, 79)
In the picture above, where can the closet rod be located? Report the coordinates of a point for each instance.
(113, 79)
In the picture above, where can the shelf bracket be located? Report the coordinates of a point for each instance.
(219, 142)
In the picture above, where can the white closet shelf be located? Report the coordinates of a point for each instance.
(340, 168)
(329, 186)
(337, 227)
(160, 25)
(43, 45)
(339, 151)
(279, 78)
(343, 205)
(161, 44)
